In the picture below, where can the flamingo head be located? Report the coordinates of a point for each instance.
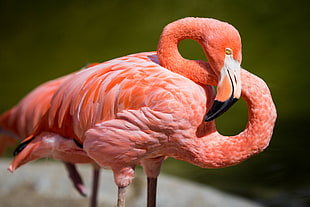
(223, 50)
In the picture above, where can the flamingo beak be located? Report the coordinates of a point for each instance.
(228, 88)
(23, 153)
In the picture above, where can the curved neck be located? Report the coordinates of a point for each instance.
(213, 150)
(197, 70)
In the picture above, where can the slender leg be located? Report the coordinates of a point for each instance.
(151, 192)
(94, 193)
(121, 197)
(151, 168)
(75, 178)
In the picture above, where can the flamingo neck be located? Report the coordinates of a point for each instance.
(197, 70)
(213, 150)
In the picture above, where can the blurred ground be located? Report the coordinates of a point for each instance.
(45, 183)
(26, 196)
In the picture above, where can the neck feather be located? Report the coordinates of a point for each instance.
(197, 70)
(213, 150)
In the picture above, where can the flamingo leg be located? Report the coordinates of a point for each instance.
(151, 168)
(151, 191)
(94, 193)
(121, 196)
(75, 178)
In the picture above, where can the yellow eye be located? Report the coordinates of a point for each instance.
(228, 51)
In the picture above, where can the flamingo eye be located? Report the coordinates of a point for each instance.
(228, 51)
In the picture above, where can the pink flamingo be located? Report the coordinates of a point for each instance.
(21, 120)
(141, 108)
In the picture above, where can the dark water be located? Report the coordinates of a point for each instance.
(42, 40)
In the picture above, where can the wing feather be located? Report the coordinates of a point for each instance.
(23, 118)
(102, 92)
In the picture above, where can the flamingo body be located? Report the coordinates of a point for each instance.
(141, 108)
(159, 120)
(139, 100)
(105, 91)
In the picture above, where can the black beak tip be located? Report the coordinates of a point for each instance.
(21, 146)
(218, 108)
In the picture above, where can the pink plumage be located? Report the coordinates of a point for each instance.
(141, 108)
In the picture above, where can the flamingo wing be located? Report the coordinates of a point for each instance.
(128, 83)
(22, 119)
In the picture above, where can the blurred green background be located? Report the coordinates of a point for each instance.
(42, 40)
